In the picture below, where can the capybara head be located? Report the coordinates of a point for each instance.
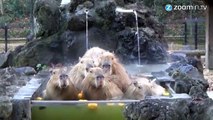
(96, 77)
(151, 88)
(135, 91)
(87, 62)
(106, 62)
(63, 81)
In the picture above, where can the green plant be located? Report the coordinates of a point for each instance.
(40, 67)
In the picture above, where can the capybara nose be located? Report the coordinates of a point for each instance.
(100, 77)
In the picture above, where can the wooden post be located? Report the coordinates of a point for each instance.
(209, 37)
(5, 35)
(195, 34)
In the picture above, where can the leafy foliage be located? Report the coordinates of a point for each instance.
(16, 8)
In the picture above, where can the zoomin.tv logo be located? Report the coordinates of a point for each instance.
(168, 7)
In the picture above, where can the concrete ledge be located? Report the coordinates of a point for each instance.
(22, 99)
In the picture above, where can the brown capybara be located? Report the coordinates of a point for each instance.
(111, 66)
(94, 53)
(95, 87)
(79, 71)
(59, 87)
(142, 87)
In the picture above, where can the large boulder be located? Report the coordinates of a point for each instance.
(61, 32)
(180, 109)
(10, 82)
(5, 107)
(150, 110)
(5, 59)
(48, 17)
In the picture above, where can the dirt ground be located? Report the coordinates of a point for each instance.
(208, 75)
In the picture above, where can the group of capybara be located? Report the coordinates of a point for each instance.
(98, 75)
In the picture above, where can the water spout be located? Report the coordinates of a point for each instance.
(118, 9)
(87, 39)
(122, 10)
(64, 2)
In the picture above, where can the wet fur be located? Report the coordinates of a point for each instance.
(54, 92)
(78, 72)
(108, 91)
(116, 70)
(94, 53)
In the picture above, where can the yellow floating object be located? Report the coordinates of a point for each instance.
(39, 98)
(92, 106)
(166, 93)
(80, 95)
(121, 104)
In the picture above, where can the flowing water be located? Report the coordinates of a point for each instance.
(118, 9)
(87, 34)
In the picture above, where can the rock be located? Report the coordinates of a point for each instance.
(26, 70)
(78, 22)
(175, 57)
(185, 83)
(5, 59)
(179, 109)
(61, 36)
(196, 62)
(10, 81)
(48, 17)
(150, 109)
(184, 67)
(197, 92)
(5, 107)
(152, 51)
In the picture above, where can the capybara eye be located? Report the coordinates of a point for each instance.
(135, 83)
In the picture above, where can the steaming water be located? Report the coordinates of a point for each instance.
(146, 68)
